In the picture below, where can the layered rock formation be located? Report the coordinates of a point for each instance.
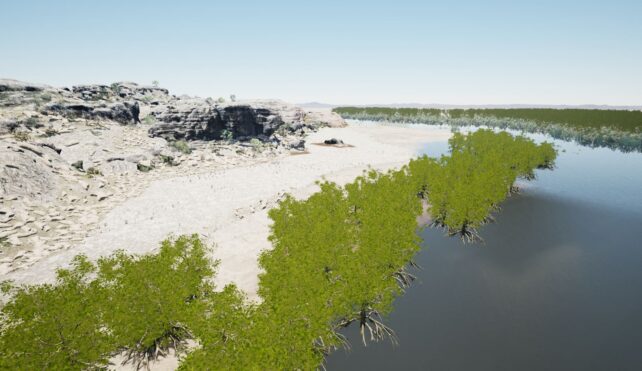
(174, 118)
(121, 112)
(198, 120)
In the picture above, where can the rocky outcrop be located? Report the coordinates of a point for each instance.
(324, 117)
(120, 91)
(66, 157)
(197, 119)
(92, 92)
(248, 121)
(15, 85)
(122, 112)
(175, 117)
(186, 119)
(130, 90)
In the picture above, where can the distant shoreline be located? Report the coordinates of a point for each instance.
(477, 106)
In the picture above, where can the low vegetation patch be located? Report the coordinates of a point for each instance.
(21, 136)
(32, 123)
(167, 160)
(227, 135)
(149, 120)
(257, 145)
(181, 146)
(339, 258)
(50, 132)
(4, 242)
(93, 171)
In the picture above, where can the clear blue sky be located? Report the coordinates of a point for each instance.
(452, 52)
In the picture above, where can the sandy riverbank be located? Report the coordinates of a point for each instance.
(229, 207)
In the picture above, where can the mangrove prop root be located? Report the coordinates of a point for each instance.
(173, 338)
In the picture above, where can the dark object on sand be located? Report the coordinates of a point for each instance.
(333, 141)
(78, 165)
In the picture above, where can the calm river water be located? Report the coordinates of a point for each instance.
(557, 285)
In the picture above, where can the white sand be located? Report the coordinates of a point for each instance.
(229, 207)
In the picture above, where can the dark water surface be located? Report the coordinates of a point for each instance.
(557, 285)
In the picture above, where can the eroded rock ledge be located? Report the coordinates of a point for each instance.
(198, 120)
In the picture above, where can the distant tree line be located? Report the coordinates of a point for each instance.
(617, 129)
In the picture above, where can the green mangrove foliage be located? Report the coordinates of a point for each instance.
(141, 306)
(340, 257)
(616, 129)
(464, 188)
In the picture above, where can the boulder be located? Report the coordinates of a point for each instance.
(297, 144)
(144, 166)
(78, 165)
(324, 117)
(118, 167)
(123, 112)
(289, 142)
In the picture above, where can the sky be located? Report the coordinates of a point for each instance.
(340, 52)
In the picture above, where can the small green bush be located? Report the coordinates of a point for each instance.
(168, 160)
(45, 97)
(257, 145)
(181, 146)
(21, 136)
(32, 123)
(227, 135)
(144, 168)
(115, 88)
(50, 132)
(149, 120)
(93, 171)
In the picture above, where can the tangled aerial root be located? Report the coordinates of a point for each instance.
(173, 338)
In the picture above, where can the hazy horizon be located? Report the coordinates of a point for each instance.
(375, 52)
